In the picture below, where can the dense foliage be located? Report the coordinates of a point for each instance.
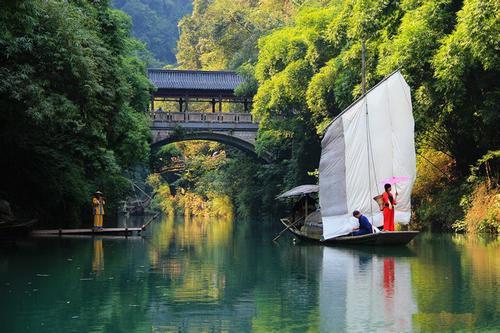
(155, 23)
(223, 34)
(214, 180)
(307, 63)
(72, 93)
(72, 97)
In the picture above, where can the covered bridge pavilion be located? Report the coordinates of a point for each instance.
(186, 87)
(194, 86)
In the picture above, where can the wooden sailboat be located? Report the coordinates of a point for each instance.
(381, 238)
(371, 140)
(309, 227)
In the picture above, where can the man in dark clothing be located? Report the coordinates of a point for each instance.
(365, 227)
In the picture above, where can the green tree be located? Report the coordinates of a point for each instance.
(306, 61)
(467, 66)
(223, 34)
(73, 100)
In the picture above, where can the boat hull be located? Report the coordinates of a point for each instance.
(383, 238)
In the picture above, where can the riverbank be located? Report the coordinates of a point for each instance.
(444, 200)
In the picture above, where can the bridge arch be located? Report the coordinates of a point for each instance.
(187, 88)
(229, 140)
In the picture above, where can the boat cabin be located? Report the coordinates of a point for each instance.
(305, 214)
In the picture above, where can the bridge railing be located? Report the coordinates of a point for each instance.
(201, 117)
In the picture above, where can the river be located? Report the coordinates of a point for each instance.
(219, 275)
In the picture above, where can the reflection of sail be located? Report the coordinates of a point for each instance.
(98, 260)
(361, 292)
(333, 289)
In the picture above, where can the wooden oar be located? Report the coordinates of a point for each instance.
(288, 227)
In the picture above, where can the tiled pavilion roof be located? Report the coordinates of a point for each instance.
(171, 79)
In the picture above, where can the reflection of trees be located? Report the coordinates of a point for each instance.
(455, 282)
(227, 272)
(70, 296)
(481, 266)
(162, 236)
(234, 281)
(207, 239)
(203, 232)
(200, 246)
(286, 296)
(230, 273)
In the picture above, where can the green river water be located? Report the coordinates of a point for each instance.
(219, 275)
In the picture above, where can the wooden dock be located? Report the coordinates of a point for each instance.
(101, 232)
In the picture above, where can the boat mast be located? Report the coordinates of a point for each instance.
(363, 89)
(363, 69)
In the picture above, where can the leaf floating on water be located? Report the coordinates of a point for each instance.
(43, 275)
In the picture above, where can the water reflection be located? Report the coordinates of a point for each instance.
(189, 254)
(221, 275)
(98, 259)
(457, 282)
(362, 292)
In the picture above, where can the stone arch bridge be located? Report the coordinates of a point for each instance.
(206, 108)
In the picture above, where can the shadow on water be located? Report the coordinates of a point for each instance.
(205, 274)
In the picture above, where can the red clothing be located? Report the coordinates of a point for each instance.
(389, 286)
(388, 212)
(389, 277)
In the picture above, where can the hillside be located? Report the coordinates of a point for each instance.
(155, 23)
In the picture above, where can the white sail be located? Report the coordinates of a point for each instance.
(358, 152)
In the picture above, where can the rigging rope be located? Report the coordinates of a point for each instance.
(369, 150)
